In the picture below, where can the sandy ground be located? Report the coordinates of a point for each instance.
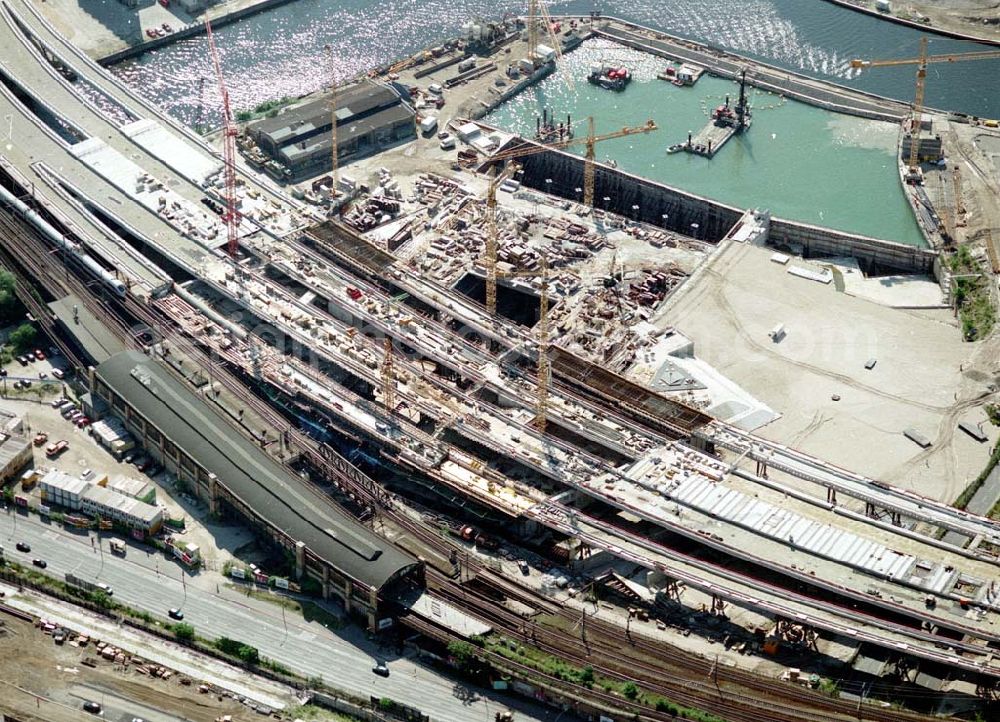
(976, 18)
(925, 378)
(43, 681)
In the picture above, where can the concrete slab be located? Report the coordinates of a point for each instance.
(922, 380)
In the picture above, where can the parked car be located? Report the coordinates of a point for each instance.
(175, 613)
(23, 547)
(58, 373)
(380, 668)
(18, 384)
(42, 375)
(92, 707)
(39, 354)
(40, 438)
(143, 463)
(31, 355)
(26, 383)
(58, 403)
(82, 421)
(87, 473)
(3, 372)
(23, 360)
(40, 563)
(106, 588)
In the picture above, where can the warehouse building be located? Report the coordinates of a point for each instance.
(370, 117)
(236, 478)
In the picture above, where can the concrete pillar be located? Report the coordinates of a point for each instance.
(326, 582)
(373, 609)
(348, 595)
(300, 559)
(213, 492)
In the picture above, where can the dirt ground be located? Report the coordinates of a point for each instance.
(980, 18)
(46, 682)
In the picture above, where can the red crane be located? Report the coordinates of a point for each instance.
(232, 215)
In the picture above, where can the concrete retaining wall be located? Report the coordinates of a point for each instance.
(623, 191)
(874, 255)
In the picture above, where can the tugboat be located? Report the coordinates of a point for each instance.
(609, 77)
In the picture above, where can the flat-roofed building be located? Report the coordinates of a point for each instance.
(62, 489)
(97, 501)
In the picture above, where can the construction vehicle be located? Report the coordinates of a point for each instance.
(913, 166)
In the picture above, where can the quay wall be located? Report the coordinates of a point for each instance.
(639, 199)
(823, 94)
(188, 31)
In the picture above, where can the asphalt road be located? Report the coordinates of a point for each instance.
(146, 580)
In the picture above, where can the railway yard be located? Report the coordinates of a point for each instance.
(636, 474)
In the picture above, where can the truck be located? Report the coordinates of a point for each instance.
(428, 125)
(117, 547)
(53, 450)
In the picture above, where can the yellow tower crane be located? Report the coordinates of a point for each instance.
(335, 174)
(388, 378)
(918, 99)
(588, 190)
(544, 378)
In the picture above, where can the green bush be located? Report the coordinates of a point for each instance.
(630, 690)
(183, 632)
(23, 337)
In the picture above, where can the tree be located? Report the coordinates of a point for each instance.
(184, 632)
(23, 337)
(9, 307)
(463, 652)
(101, 598)
(248, 654)
(630, 690)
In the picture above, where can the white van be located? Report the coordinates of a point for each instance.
(435, 89)
(428, 125)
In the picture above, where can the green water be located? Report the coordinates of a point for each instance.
(801, 162)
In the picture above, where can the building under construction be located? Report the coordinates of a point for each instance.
(483, 335)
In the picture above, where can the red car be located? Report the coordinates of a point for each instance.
(81, 422)
(39, 355)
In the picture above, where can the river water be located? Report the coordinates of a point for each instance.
(800, 162)
(281, 52)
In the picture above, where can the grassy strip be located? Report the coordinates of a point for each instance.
(586, 677)
(310, 611)
(972, 295)
(970, 491)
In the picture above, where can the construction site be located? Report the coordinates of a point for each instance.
(740, 433)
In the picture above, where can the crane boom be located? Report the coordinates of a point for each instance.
(521, 152)
(232, 215)
(954, 58)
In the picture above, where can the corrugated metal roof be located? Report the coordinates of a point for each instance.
(823, 540)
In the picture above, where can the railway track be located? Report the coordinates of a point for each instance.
(680, 676)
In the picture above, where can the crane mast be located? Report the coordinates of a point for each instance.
(232, 215)
(588, 191)
(918, 100)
